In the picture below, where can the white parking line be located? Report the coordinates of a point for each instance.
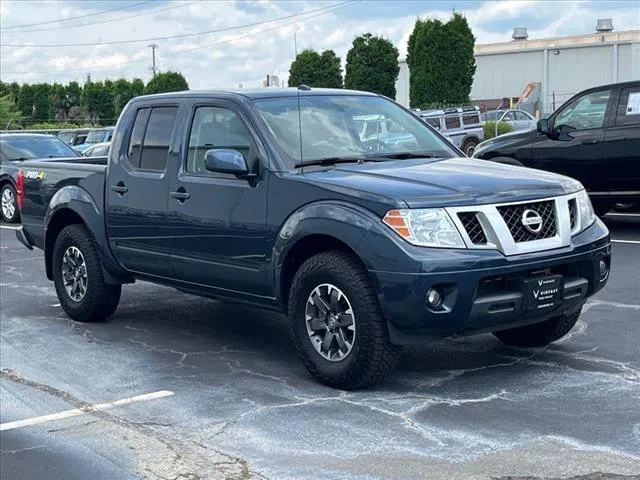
(10, 227)
(623, 214)
(626, 241)
(84, 410)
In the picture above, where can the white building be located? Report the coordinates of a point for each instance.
(563, 66)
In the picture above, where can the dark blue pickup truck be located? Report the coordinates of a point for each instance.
(272, 198)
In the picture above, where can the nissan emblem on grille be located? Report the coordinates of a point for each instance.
(532, 221)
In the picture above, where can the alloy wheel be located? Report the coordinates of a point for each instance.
(74, 274)
(8, 202)
(330, 322)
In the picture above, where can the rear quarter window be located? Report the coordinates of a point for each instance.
(452, 122)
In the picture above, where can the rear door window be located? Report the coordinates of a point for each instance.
(628, 111)
(155, 146)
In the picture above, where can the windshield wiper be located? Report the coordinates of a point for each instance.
(328, 161)
(403, 155)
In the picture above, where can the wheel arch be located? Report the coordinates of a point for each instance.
(72, 205)
(316, 228)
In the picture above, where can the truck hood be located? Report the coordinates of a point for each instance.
(444, 182)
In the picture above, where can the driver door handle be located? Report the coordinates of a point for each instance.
(181, 195)
(120, 188)
(590, 142)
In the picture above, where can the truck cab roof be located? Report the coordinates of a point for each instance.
(256, 93)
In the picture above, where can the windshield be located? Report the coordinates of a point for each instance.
(343, 126)
(28, 147)
(96, 136)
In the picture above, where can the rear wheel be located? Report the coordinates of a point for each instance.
(539, 334)
(336, 322)
(8, 204)
(469, 146)
(77, 275)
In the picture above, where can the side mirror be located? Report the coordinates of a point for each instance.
(225, 161)
(543, 126)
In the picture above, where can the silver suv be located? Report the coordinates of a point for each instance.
(460, 125)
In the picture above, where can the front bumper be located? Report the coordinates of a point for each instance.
(482, 289)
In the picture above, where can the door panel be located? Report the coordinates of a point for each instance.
(575, 148)
(622, 144)
(137, 219)
(220, 237)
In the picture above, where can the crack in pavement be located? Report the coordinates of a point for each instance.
(159, 454)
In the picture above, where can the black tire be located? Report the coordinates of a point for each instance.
(469, 146)
(539, 334)
(100, 299)
(507, 161)
(372, 355)
(8, 192)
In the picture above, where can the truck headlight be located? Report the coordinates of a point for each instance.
(430, 227)
(585, 210)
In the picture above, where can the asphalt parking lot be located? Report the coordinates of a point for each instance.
(178, 387)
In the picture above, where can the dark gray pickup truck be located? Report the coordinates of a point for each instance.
(272, 198)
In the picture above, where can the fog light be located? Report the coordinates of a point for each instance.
(434, 297)
(604, 270)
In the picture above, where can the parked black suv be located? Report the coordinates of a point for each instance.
(594, 137)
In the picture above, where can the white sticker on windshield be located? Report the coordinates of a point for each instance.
(633, 105)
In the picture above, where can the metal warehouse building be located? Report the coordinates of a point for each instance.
(562, 66)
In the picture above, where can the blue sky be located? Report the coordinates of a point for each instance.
(244, 55)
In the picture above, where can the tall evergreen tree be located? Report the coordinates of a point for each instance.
(441, 62)
(372, 65)
(167, 82)
(316, 70)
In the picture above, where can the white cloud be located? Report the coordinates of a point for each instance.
(246, 59)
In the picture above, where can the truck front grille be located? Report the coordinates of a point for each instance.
(473, 228)
(513, 217)
(572, 213)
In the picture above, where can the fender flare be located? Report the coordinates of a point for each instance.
(345, 222)
(78, 201)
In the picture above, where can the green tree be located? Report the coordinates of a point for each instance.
(441, 62)
(98, 101)
(372, 65)
(25, 100)
(137, 87)
(316, 70)
(59, 102)
(9, 115)
(166, 82)
(74, 90)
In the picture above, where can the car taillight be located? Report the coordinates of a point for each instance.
(20, 189)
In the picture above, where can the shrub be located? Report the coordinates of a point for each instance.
(490, 129)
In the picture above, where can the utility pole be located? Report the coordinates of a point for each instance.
(153, 47)
(295, 44)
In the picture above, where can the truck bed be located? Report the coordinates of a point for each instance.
(44, 179)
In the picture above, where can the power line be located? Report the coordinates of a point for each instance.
(111, 20)
(172, 37)
(79, 16)
(179, 52)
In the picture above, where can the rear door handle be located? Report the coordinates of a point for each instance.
(120, 188)
(590, 142)
(180, 195)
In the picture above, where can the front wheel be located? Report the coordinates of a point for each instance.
(77, 276)
(336, 323)
(8, 204)
(539, 334)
